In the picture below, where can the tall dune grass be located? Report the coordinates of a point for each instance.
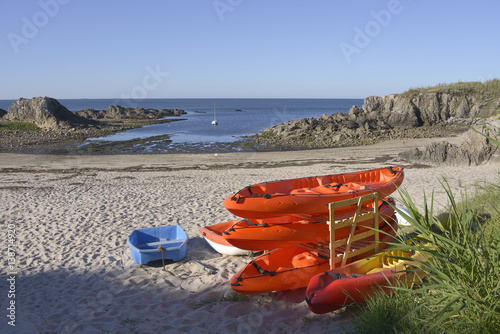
(489, 88)
(487, 93)
(461, 292)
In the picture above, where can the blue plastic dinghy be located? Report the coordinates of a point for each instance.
(144, 243)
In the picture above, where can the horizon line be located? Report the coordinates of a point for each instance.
(187, 98)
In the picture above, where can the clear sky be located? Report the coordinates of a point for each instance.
(243, 48)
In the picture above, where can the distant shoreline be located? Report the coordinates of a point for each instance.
(237, 125)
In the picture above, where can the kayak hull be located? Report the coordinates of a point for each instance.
(213, 236)
(311, 195)
(290, 267)
(252, 236)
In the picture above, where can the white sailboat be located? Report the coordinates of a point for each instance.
(214, 122)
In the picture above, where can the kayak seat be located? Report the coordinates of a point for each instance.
(303, 191)
(361, 185)
(304, 260)
(330, 188)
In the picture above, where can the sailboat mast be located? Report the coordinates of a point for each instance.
(214, 122)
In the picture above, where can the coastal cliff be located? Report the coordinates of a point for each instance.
(441, 111)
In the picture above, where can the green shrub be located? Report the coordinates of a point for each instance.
(461, 292)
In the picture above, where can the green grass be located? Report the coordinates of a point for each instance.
(461, 293)
(389, 314)
(18, 126)
(487, 88)
(487, 93)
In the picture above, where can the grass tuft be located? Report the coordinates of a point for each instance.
(19, 126)
(461, 293)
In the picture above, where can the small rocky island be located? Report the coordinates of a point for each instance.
(42, 124)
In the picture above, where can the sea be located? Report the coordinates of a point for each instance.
(236, 118)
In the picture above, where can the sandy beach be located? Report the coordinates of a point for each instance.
(72, 269)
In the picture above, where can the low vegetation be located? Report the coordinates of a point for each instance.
(487, 92)
(7, 126)
(490, 88)
(461, 292)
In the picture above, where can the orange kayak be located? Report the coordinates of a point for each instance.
(311, 195)
(254, 236)
(213, 236)
(291, 267)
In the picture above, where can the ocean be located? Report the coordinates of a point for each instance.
(236, 117)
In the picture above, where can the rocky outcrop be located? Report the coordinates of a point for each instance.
(2, 112)
(394, 116)
(45, 112)
(426, 109)
(119, 112)
(473, 149)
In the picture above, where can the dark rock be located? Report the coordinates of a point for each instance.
(119, 112)
(45, 112)
(396, 116)
(2, 112)
(473, 149)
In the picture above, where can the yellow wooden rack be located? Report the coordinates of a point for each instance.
(344, 249)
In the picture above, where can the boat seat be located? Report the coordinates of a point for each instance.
(302, 191)
(322, 189)
(161, 242)
(361, 185)
(307, 259)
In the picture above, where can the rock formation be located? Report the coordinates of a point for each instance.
(45, 112)
(473, 149)
(119, 112)
(380, 118)
(2, 112)
(426, 109)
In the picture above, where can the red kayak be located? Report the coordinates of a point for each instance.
(311, 195)
(292, 267)
(353, 282)
(262, 234)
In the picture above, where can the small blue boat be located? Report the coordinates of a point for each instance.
(144, 243)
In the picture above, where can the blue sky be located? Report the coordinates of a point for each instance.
(243, 48)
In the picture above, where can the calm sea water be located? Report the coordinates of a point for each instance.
(235, 117)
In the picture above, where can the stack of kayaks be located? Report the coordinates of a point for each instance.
(289, 219)
(290, 267)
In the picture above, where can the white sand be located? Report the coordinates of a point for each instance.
(72, 215)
